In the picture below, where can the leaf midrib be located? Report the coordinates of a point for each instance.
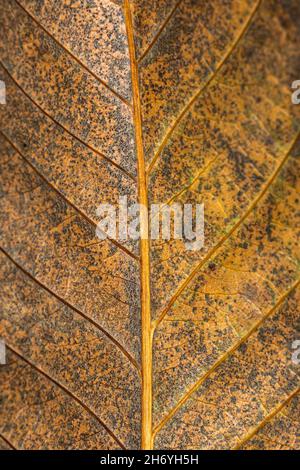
(146, 396)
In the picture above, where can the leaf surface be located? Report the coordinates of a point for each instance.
(119, 344)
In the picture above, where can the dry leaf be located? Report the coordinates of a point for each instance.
(118, 344)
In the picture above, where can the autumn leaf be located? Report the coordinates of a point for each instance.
(121, 344)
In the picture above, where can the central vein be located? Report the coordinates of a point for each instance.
(144, 247)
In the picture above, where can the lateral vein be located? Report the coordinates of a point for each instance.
(75, 309)
(83, 405)
(161, 29)
(53, 188)
(267, 419)
(199, 92)
(223, 239)
(120, 97)
(223, 358)
(90, 147)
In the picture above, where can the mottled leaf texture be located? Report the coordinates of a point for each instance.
(123, 344)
